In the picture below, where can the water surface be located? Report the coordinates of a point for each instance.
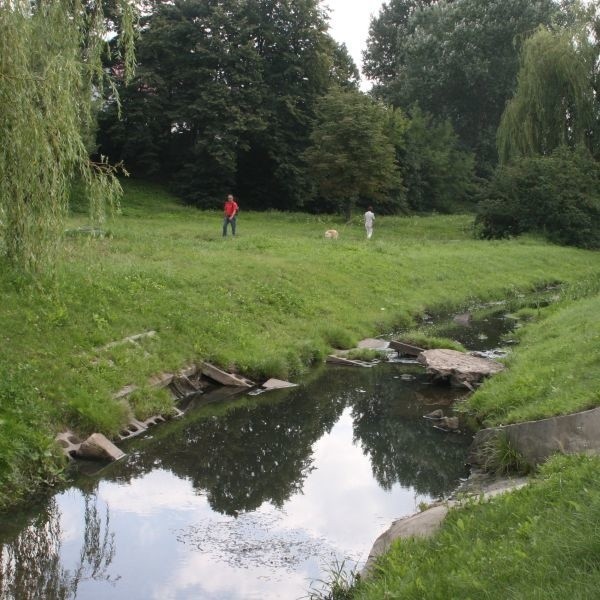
(247, 499)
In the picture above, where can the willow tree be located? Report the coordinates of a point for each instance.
(554, 101)
(51, 77)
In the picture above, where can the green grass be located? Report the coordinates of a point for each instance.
(270, 302)
(540, 542)
(554, 370)
(426, 341)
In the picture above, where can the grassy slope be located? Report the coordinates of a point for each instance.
(554, 370)
(267, 303)
(540, 542)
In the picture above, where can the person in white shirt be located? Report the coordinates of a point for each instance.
(369, 218)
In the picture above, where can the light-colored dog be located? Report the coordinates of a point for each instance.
(332, 234)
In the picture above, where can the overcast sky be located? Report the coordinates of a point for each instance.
(349, 23)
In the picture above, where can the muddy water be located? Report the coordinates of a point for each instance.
(253, 502)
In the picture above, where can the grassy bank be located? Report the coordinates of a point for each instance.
(268, 303)
(538, 542)
(554, 370)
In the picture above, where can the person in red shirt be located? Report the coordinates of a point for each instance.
(230, 210)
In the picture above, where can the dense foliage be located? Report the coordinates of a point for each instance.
(50, 77)
(555, 102)
(225, 97)
(457, 60)
(437, 172)
(352, 152)
(230, 95)
(556, 195)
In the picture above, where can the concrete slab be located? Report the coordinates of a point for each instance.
(69, 443)
(340, 360)
(277, 384)
(223, 377)
(405, 349)
(132, 339)
(161, 379)
(537, 440)
(426, 523)
(423, 524)
(125, 391)
(98, 447)
(460, 368)
(373, 344)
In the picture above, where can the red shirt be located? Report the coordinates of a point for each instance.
(231, 208)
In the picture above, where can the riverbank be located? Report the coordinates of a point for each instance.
(536, 541)
(271, 302)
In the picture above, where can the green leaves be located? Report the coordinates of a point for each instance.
(50, 77)
(225, 98)
(351, 153)
(458, 60)
(554, 101)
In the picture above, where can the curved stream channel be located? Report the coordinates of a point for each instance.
(253, 502)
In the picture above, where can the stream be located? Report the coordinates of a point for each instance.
(247, 497)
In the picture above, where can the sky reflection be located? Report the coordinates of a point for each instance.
(254, 504)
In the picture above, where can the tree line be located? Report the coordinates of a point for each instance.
(256, 97)
(518, 80)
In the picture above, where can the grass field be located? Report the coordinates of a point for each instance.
(270, 302)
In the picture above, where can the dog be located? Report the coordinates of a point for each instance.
(332, 234)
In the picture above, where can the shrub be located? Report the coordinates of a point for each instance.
(555, 195)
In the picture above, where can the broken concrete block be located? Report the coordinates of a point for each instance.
(405, 349)
(459, 368)
(449, 423)
(69, 442)
(436, 414)
(125, 391)
(373, 344)
(98, 447)
(161, 379)
(277, 384)
(223, 377)
(339, 360)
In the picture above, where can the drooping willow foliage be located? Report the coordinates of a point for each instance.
(51, 77)
(554, 101)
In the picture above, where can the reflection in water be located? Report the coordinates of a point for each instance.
(31, 563)
(402, 446)
(247, 457)
(253, 540)
(263, 453)
(249, 504)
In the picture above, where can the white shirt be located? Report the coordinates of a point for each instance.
(369, 218)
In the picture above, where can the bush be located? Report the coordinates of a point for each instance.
(555, 195)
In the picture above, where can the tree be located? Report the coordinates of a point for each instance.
(297, 68)
(437, 173)
(458, 60)
(554, 103)
(381, 58)
(198, 92)
(351, 154)
(225, 98)
(50, 75)
(554, 195)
